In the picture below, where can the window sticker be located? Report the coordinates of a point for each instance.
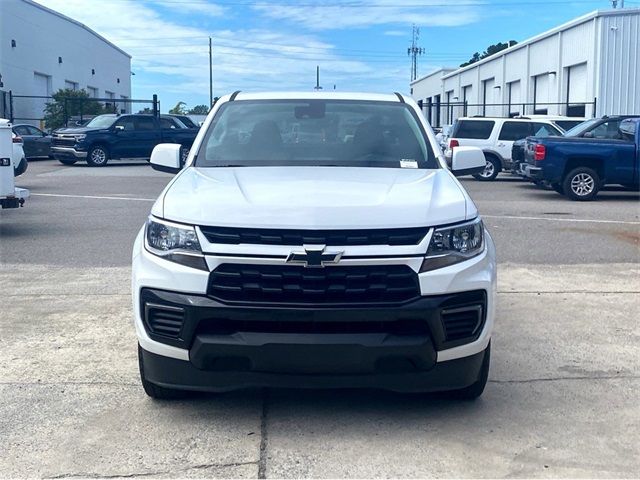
(408, 163)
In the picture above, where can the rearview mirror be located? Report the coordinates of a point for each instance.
(467, 161)
(166, 157)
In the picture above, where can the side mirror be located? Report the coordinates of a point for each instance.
(166, 157)
(588, 135)
(118, 128)
(467, 161)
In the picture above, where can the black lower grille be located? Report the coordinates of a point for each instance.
(224, 326)
(339, 285)
(462, 322)
(164, 320)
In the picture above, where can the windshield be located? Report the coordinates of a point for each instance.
(102, 121)
(316, 133)
(581, 128)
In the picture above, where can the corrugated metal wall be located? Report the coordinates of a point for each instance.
(618, 82)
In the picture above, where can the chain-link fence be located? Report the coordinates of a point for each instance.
(50, 112)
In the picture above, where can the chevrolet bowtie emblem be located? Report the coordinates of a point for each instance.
(314, 256)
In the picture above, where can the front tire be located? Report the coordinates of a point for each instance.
(474, 390)
(155, 391)
(581, 184)
(67, 161)
(98, 156)
(491, 169)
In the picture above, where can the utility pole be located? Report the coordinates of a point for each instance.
(317, 87)
(210, 74)
(413, 51)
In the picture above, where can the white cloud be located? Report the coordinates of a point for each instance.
(200, 8)
(377, 12)
(171, 58)
(397, 33)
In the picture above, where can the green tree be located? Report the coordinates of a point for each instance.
(146, 110)
(76, 103)
(491, 49)
(179, 109)
(198, 110)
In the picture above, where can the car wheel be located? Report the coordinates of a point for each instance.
(491, 170)
(581, 184)
(474, 390)
(67, 161)
(98, 156)
(155, 391)
(558, 188)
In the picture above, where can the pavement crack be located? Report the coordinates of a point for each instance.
(203, 466)
(560, 379)
(262, 462)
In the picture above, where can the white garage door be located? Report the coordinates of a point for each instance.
(515, 99)
(41, 88)
(541, 89)
(577, 90)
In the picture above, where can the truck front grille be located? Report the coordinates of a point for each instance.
(63, 141)
(334, 285)
(257, 236)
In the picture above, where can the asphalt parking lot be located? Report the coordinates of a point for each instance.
(562, 398)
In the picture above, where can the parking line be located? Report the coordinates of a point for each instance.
(569, 220)
(133, 199)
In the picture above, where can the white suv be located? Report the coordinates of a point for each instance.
(314, 240)
(495, 136)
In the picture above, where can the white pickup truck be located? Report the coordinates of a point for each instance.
(10, 195)
(314, 240)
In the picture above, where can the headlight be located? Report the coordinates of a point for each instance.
(80, 137)
(451, 245)
(173, 242)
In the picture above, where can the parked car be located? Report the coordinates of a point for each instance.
(604, 127)
(109, 137)
(184, 119)
(37, 143)
(579, 167)
(443, 136)
(561, 121)
(18, 158)
(495, 136)
(354, 259)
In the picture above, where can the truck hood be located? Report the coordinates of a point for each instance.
(77, 130)
(314, 198)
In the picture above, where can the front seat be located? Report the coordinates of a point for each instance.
(265, 142)
(369, 140)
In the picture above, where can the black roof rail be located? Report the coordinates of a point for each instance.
(399, 97)
(234, 95)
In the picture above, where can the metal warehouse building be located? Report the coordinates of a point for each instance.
(587, 67)
(42, 51)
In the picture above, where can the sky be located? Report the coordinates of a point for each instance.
(272, 45)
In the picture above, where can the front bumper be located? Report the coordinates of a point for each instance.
(208, 354)
(177, 374)
(67, 152)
